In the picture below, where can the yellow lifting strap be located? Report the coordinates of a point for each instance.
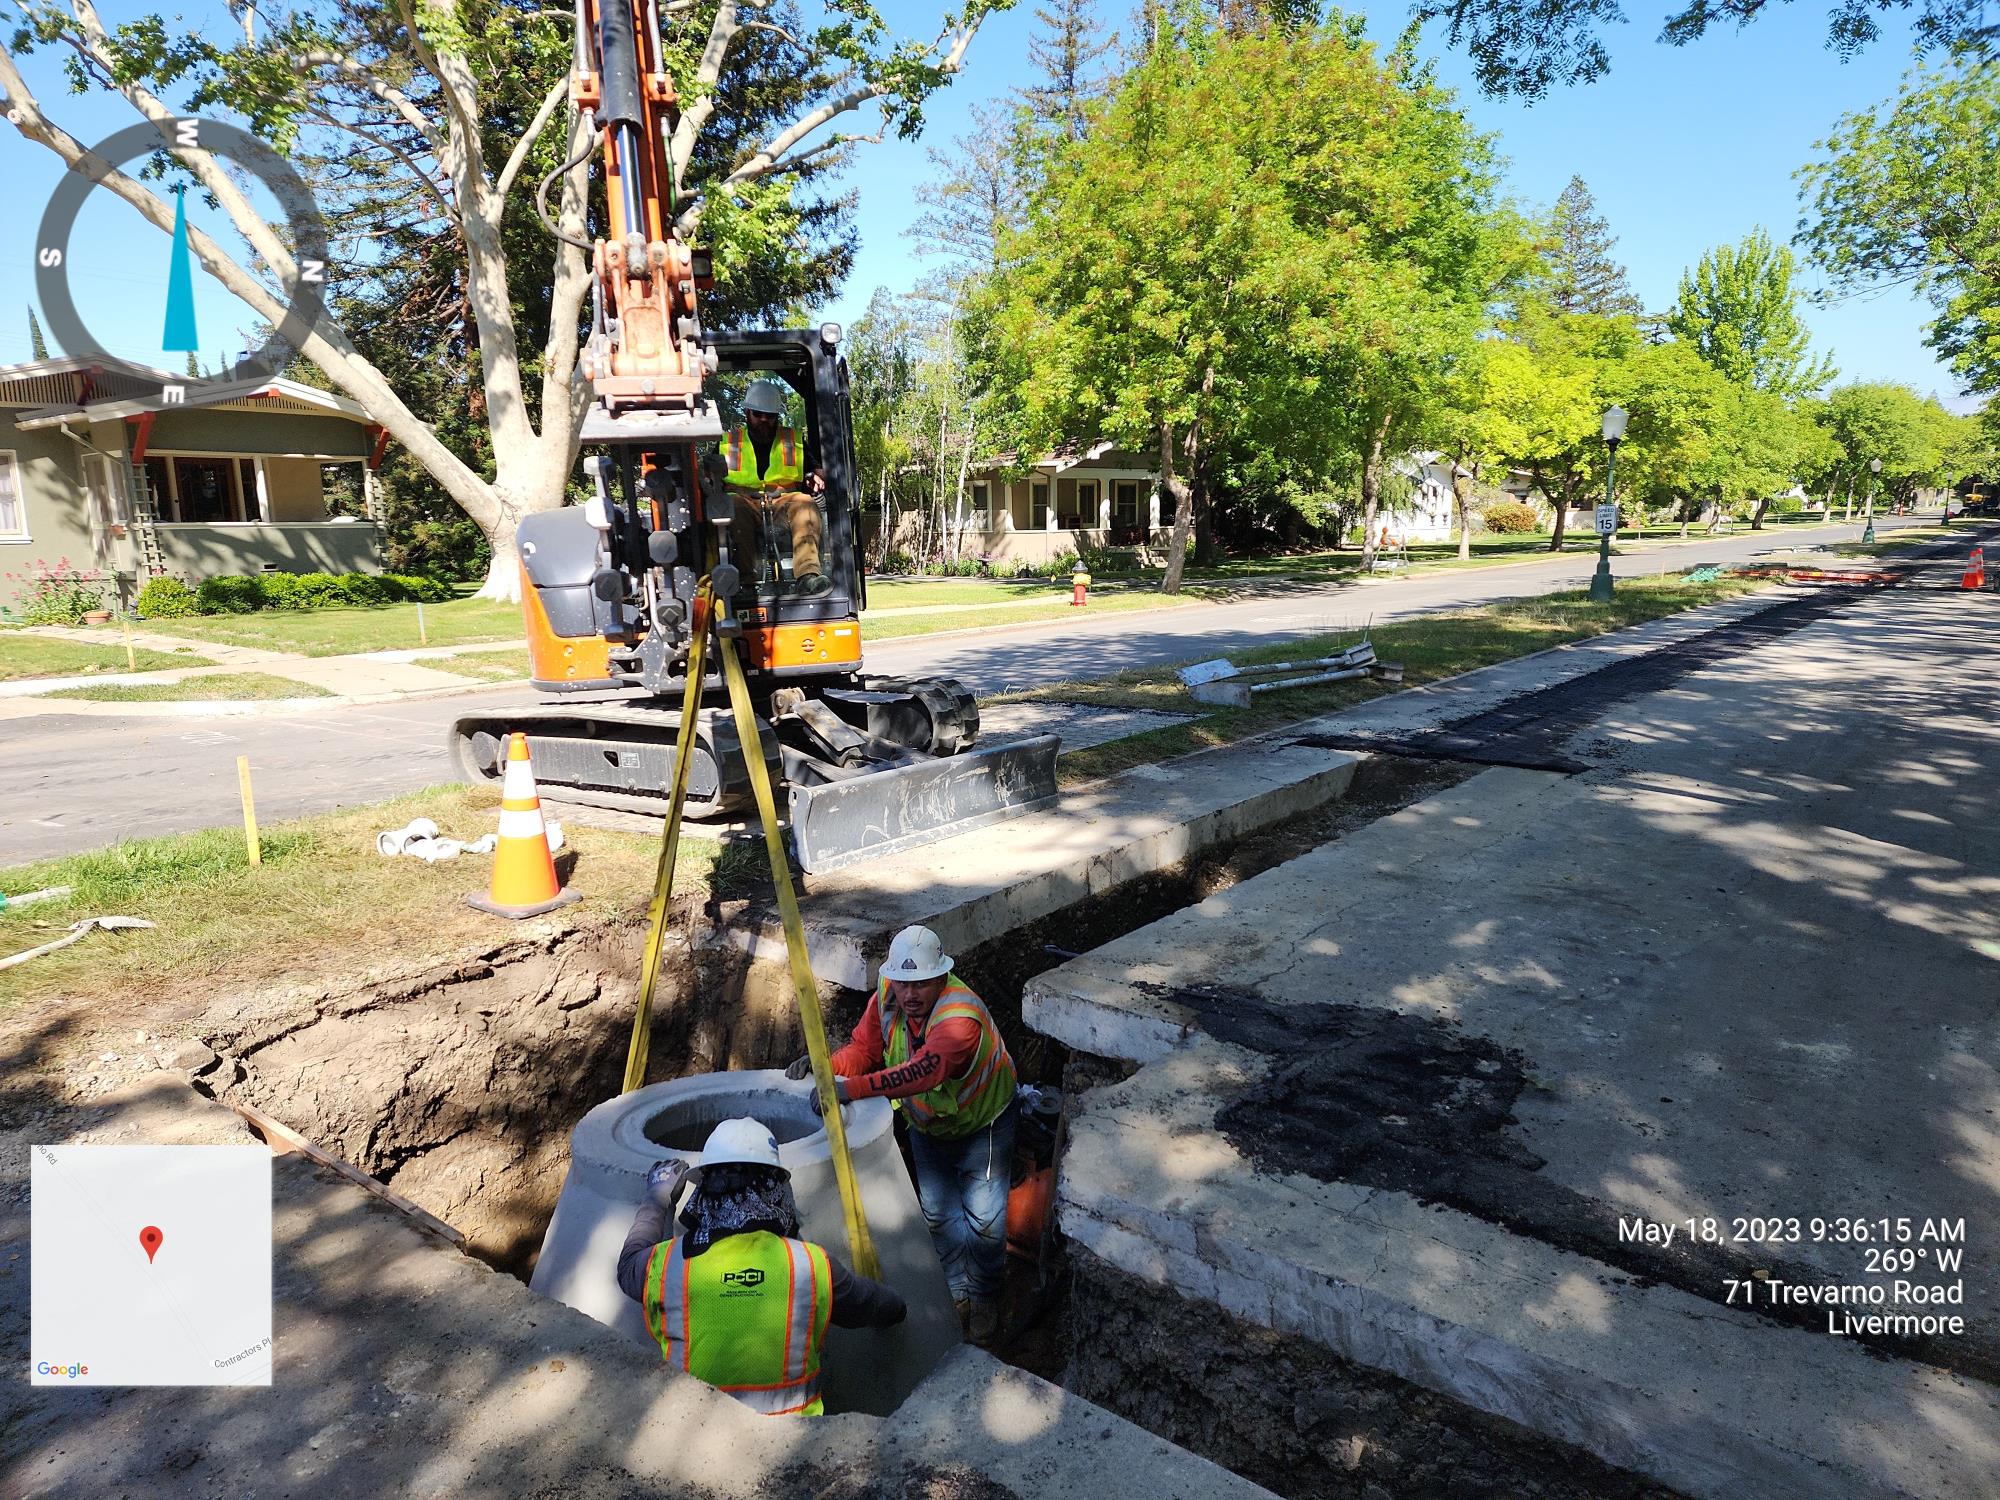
(707, 611)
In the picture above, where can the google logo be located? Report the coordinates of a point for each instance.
(72, 1371)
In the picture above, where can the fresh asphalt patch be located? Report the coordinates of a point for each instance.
(1532, 732)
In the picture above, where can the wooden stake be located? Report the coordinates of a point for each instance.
(276, 1133)
(131, 657)
(423, 635)
(249, 811)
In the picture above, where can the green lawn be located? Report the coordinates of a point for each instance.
(224, 686)
(926, 593)
(342, 632)
(510, 665)
(322, 902)
(1430, 648)
(25, 656)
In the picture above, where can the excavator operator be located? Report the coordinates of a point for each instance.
(777, 491)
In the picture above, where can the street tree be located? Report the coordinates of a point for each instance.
(422, 97)
(1581, 273)
(1907, 194)
(1882, 420)
(1739, 310)
(1354, 204)
(1067, 49)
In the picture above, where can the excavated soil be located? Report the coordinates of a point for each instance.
(1292, 1416)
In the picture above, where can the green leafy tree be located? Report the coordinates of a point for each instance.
(1526, 50)
(1740, 312)
(1354, 205)
(1908, 194)
(429, 123)
(1067, 48)
(38, 346)
(1582, 275)
(1881, 420)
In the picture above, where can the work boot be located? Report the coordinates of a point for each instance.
(812, 586)
(983, 1327)
(963, 1307)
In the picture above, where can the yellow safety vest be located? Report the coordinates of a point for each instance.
(958, 1106)
(788, 463)
(748, 1315)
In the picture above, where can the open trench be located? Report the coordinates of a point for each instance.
(459, 1087)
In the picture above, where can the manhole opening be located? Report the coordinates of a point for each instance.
(685, 1124)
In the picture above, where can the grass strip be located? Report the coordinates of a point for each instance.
(24, 656)
(344, 632)
(1430, 647)
(223, 687)
(323, 903)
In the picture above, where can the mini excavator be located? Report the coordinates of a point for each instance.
(871, 764)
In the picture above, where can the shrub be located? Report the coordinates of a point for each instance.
(230, 595)
(424, 588)
(1510, 517)
(364, 588)
(282, 591)
(1790, 506)
(449, 550)
(899, 562)
(964, 567)
(59, 595)
(1060, 566)
(166, 599)
(317, 590)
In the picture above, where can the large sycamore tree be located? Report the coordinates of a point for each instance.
(434, 121)
(1268, 244)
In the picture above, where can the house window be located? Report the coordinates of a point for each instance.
(1038, 505)
(982, 507)
(205, 490)
(1125, 510)
(13, 508)
(1085, 517)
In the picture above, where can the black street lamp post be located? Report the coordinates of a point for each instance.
(1614, 434)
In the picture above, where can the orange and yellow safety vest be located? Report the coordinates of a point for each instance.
(958, 1106)
(787, 462)
(748, 1315)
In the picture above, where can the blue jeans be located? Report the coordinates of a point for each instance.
(963, 1185)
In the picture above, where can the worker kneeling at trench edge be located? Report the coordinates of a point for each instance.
(928, 1044)
(738, 1299)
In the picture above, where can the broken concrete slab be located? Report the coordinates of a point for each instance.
(1711, 1400)
(404, 1368)
(981, 885)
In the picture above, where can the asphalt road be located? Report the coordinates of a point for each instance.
(70, 782)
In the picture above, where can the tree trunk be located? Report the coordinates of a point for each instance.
(1371, 488)
(1182, 494)
(1850, 499)
(503, 573)
(1757, 517)
(1562, 518)
(1461, 486)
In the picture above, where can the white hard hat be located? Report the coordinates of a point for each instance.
(745, 1142)
(916, 953)
(765, 396)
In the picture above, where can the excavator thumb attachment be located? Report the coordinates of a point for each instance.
(849, 818)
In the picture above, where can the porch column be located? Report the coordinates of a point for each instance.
(263, 493)
(1152, 509)
(1104, 508)
(368, 492)
(1055, 504)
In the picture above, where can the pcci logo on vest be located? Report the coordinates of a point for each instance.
(748, 1280)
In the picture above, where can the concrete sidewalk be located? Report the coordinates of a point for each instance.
(363, 677)
(1405, 1094)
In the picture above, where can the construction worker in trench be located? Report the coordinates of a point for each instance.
(772, 483)
(928, 1044)
(736, 1298)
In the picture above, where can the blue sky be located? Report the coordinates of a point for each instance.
(1684, 148)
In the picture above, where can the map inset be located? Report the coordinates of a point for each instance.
(151, 1265)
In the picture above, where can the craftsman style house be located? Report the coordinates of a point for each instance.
(100, 470)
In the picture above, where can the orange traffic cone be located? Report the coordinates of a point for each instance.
(1975, 570)
(524, 871)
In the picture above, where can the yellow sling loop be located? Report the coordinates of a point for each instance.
(709, 611)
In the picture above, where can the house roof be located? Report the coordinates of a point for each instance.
(57, 388)
(1055, 463)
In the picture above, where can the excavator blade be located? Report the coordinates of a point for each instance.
(646, 427)
(845, 821)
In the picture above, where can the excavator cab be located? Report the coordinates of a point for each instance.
(789, 633)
